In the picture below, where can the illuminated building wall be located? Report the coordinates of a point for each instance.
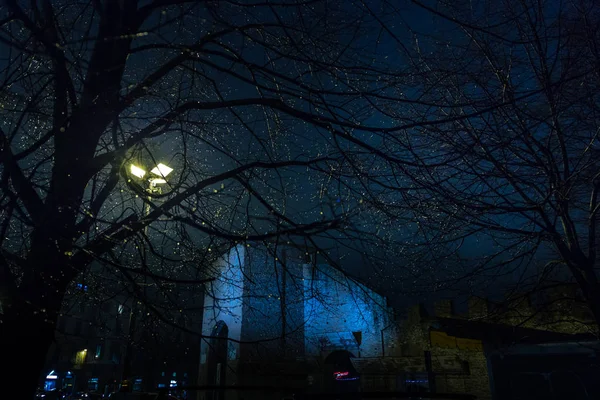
(273, 315)
(223, 300)
(342, 314)
(282, 306)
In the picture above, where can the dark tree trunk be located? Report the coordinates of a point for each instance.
(26, 335)
(30, 314)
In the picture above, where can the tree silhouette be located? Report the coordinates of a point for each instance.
(505, 144)
(250, 103)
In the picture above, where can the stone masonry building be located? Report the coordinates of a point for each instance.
(283, 314)
(276, 317)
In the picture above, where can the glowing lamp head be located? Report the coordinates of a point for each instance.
(161, 170)
(137, 171)
(157, 181)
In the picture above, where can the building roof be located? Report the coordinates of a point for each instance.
(501, 334)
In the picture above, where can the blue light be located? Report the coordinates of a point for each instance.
(335, 308)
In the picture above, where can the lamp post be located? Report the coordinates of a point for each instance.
(159, 173)
(157, 178)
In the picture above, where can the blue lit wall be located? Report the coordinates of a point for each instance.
(335, 307)
(223, 299)
(282, 307)
(273, 313)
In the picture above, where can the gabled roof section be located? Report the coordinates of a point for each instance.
(501, 334)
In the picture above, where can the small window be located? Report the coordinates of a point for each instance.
(80, 356)
(93, 384)
(120, 309)
(308, 258)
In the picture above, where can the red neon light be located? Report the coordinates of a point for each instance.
(339, 375)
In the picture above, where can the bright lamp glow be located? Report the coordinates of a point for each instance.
(155, 181)
(137, 171)
(161, 170)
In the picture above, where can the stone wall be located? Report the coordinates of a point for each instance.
(223, 301)
(273, 304)
(285, 309)
(559, 308)
(461, 371)
(343, 314)
(457, 365)
(460, 365)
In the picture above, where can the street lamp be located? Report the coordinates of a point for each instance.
(137, 171)
(157, 177)
(160, 172)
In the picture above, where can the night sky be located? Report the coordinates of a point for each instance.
(383, 242)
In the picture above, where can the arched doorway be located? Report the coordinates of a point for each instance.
(340, 374)
(216, 359)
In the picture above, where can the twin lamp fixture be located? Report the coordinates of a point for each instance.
(160, 171)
